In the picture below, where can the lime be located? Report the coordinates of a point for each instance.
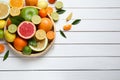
(55, 16)
(12, 28)
(9, 37)
(59, 5)
(40, 34)
(36, 19)
(27, 50)
(2, 24)
(41, 45)
(1, 34)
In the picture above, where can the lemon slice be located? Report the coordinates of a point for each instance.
(4, 10)
(14, 11)
(41, 45)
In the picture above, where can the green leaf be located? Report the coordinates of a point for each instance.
(6, 55)
(62, 33)
(76, 21)
(32, 42)
(16, 20)
(60, 11)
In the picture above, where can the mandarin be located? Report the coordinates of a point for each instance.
(31, 2)
(42, 12)
(2, 48)
(19, 43)
(46, 24)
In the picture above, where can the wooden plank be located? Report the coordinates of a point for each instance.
(58, 75)
(91, 3)
(92, 13)
(92, 25)
(57, 63)
(84, 51)
(88, 37)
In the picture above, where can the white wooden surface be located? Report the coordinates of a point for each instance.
(90, 52)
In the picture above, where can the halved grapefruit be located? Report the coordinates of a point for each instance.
(26, 30)
(4, 10)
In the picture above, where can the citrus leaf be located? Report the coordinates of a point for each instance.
(32, 42)
(60, 11)
(62, 33)
(6, 55)
(76, 21)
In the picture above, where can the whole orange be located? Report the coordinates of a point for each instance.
(19, 43)
(46, 24)
(42, 12)
(31, 2)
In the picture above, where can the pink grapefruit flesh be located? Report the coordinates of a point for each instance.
(26, 30)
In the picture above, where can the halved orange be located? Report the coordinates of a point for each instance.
(17, 3)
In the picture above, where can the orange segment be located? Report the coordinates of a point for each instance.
(17, 3)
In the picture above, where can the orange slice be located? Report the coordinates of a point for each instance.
(17, 3)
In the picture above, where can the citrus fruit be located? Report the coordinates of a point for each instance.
(14, 11)
(42, 4)
(8, 22)
(31, 2)
(2, 48)
(49, 10)
(1, 34)
(42, 13)
(28, 12)
(51, 1)
(59, 5)
(2, 24)
(12, 28)
(17, 3)
(55, 16)
(27, 50)
(46, 24)
(36, 19)
(50, 35)
(9, 37)
(67, 27)
(26, 30)
(4, 10)
(40, 34)
(41, 45)
(19, 43)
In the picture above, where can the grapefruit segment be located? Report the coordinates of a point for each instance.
(26, 30)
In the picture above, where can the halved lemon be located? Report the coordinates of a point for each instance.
(41, 45)
(4, 10)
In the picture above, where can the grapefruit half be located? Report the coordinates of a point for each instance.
(26, 30)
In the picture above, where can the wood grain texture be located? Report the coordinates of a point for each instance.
(90, 52)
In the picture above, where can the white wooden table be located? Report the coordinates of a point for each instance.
(90, 52)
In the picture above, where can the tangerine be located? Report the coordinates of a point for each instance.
(31, 2)
(2, 48)
(49, 10)
(46, 24)
(42, 12)
(19, 43)
(17, 3)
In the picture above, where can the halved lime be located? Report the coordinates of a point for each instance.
(36, 19)
(55, 16)
(59, 5)
(12, 28)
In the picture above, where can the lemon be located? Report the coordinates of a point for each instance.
(2, 24)
(9, 37)
(41, 45)
(4, 10)
(42, 4)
